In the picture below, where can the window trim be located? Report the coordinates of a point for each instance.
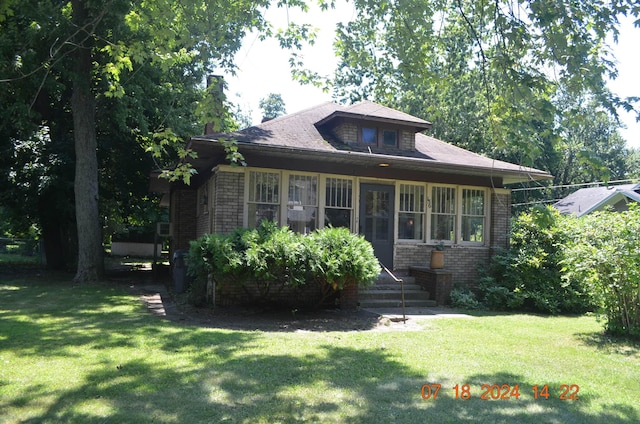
(323, 203)
(284, 196)
(284, 178)
(485, 217)
(455, 214)
(247, 187)
(424, 212)
(380, 129)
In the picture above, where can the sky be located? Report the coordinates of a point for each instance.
(263, 67)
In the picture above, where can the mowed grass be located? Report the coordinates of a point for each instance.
(93, 354)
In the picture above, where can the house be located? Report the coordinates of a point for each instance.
(587, 200)
(366, 167)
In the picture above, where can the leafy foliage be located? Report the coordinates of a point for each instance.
(529, 275)
(269, 259)
(337, 258)
(463, 298)
(604, 254)
(135, 70)
(519, 81)
(272, 106)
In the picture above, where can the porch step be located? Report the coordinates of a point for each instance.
(392, 303)
(386, 293)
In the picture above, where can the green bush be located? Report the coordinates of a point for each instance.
(463, 298)
(604, 253)
(274, 260)
(270, 258)
(529, 275)
(337, 258)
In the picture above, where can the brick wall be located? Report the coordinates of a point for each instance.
(407, 140)
(183, 217)
(462, 262)
(229, 294)
(500, 218)
(228, 201)
(347, 132)
(203, 213)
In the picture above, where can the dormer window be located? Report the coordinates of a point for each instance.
(390, 138)
(370, 136)
(378, 137)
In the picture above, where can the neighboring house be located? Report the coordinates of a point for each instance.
(366, 167)
(587, 200)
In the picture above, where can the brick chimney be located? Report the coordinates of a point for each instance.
(215, 88)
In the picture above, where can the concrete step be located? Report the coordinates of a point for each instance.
(387, 293)
(393, 286)
(385, 278)
(392, 303)
(393, 294)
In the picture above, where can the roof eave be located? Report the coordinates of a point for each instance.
(508, 176)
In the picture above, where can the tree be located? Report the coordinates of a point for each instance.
(633, 164)
(60, 61)
(489, 75)
(272, 106)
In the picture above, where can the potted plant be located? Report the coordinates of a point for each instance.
(437, 256)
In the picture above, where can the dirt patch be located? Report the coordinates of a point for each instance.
(163, 303)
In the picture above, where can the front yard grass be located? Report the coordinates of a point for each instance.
(93, 354)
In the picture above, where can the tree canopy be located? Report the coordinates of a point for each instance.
(89, 85)
(272, 106)
(522, 81)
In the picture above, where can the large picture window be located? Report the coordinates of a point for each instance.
(443, 213)
(473, 215)
(411, 212)
(338, 202)
(264, 197)
(302, 203)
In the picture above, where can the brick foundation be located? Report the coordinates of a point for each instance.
(438, 282)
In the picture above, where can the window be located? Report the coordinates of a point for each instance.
(411, 212)
(302, 204)
(443, 213)
(374, 136)
(338, 203)
(264, 197)
(473, 215)
(390, 138)
(369, 136)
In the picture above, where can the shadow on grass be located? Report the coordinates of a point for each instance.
(609, 343)
(191, 375)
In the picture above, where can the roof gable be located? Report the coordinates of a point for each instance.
(587, 200)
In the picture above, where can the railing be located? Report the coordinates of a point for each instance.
(397, 280)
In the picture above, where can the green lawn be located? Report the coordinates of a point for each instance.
(93, 354)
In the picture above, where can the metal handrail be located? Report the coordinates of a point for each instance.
(397, 280)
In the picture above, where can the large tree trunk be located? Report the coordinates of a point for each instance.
(90, 253)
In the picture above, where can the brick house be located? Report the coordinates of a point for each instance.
(366, 167)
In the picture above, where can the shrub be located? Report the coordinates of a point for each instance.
(274, 260)
(604, 253)
(337, 258)
(529, 274)
(268, 259)
(463, 298)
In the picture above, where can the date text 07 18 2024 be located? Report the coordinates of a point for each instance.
(502, 392)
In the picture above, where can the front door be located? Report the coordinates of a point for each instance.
(376, 219)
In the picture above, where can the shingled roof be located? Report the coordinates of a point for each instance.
(302, 133)
(587, 200)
